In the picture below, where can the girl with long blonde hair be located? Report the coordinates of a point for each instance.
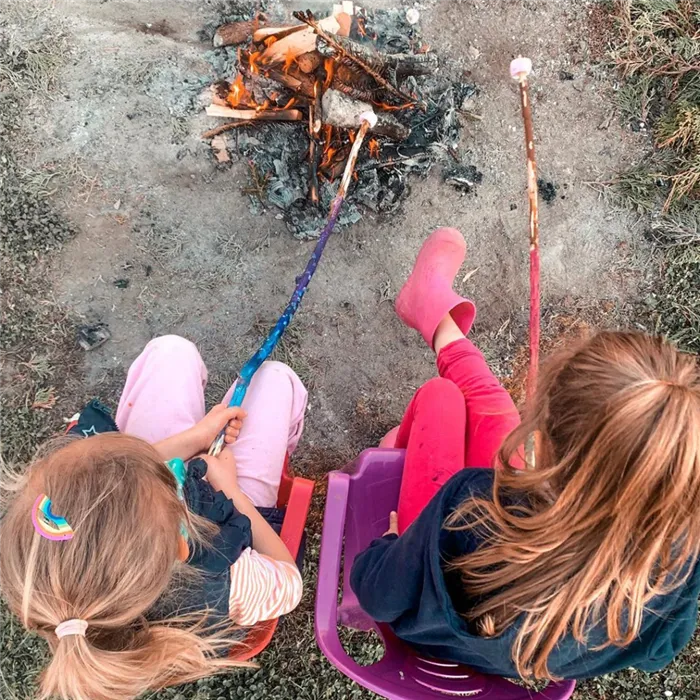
(586, 563)
(139, 558)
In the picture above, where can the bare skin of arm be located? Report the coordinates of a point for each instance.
(221, 474)
(197, 439)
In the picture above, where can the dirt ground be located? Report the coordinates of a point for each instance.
(120, 149)
(152, 206)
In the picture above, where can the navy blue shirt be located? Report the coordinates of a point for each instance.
(404, 582)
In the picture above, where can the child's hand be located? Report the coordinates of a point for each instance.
(393, 524)
(210, 426)
(221, 472)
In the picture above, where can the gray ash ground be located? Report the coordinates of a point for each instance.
(277, 153)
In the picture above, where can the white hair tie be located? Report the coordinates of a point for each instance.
(71, 627)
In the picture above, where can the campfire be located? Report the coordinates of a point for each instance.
(300, 89)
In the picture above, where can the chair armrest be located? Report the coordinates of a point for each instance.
(326, 617)
(295, 518)
(292, 532)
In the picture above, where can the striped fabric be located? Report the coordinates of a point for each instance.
(262, 588)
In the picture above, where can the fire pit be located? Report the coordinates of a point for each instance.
(291, 103)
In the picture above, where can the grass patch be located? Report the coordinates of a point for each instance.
(656, 49)
(657, 52)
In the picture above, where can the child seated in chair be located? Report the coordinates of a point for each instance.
(138, 570)
(580, 564)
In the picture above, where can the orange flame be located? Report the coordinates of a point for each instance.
(290, 103)
(289, 60)
(392, 108)
(270, 41)
(253, 62)
(352, 135)
(329, 66)
(238, 93)
(373, 148)
(328, 156)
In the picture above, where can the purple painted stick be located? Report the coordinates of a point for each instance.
(367, 121)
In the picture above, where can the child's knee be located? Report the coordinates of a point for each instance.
(281, 376)
(440, 388)
(174, 345)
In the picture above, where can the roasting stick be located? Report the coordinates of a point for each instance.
(520, 68)
(367, 121)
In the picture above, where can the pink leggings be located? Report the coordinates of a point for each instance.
(164, 395)
(455, 420)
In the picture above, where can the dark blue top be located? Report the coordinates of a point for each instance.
(403, 581)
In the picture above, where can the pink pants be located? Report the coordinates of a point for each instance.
(455, 420)
(164, 395)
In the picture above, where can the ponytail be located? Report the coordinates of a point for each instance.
(158, 655)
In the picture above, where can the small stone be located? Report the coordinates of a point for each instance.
(668, 693)
(92, 336)
(412, 15)
(117, 204)
(473, 52)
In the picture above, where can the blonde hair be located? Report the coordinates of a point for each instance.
(609, 517)
(120, 499)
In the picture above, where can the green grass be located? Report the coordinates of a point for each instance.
(656, 49)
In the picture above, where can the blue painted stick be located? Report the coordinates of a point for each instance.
(367, 121)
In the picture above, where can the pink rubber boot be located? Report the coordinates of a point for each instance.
(427, 297)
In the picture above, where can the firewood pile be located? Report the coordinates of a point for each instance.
(291, 103)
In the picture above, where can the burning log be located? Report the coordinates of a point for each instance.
(353, 92)
(402, 64)
(263, 33)
(236, 33)
(309, 62)
(295, 80)
(343, 111)
(316, 26)
(270, 115)
(298, 42)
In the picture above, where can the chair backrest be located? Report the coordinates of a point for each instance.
(375, 481)
(357, 509)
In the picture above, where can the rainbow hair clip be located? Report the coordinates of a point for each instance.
(50, 526)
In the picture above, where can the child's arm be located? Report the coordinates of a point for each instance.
(197, 439)
(221, 474)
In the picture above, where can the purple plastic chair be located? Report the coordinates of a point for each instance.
(357, 511)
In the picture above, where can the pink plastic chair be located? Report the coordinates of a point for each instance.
(357, 511)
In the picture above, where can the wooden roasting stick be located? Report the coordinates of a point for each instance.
(520, 68)
(367, 121)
